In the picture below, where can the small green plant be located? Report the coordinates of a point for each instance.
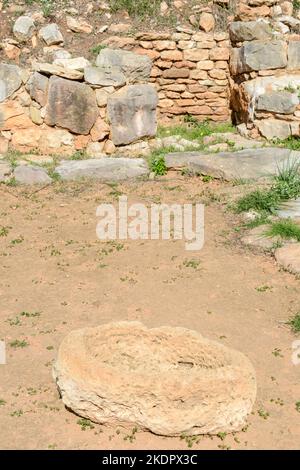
(2, 402)
(222, 435)
(294, 323)
(17, 413)
(263, 288)
(30, 314)
(277, 352)
(263, 413)
(296, 5)
(137, 8)
(98, 48)
(4, 231)
(18, 344)
(286, 229)
(191, 263)
(157, 164)
(190, 440)
(85, 424)
(131, 437)
(286, 185)
(297, 404)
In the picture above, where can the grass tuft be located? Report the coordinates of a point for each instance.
(286, 229)
(294, 323)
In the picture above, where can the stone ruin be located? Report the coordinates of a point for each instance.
(250, 74)
(265, 69)
(71, 105)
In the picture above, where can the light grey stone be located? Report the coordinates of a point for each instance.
(289, 209)
(5, 170)
(76, 63)
(247, 164)
(132, 113)
(51, 34)
(294, 55)
(259, 55)
(274, 128)
(241, 31)
(71, 105)
(103, 169)
(282, 102)
(135, 67)
(52, 69)
(104, 76)
(23, 28)
(10, 80)
(27, 174)
(37, 86)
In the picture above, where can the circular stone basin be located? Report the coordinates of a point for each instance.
(167, 380)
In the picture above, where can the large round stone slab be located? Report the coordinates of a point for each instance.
(166, 380)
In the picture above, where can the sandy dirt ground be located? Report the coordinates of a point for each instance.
(56, 276)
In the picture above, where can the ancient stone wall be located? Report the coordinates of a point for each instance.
(190, 71)
(265, 69)
(72, 105)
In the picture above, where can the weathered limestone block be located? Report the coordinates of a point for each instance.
(23, 28)
(12, 116)
(282, 102)
(294, 55)
(52, 69)
(28, 174)
(71, 105)
(274, 128)
(259, 55)
(51, 34)
(171, 381)
(132, 113)
(135, 67)
(37, 86)
(104, 76)
(241, 31)
(10, 80)
(76, 63)
(103, 169)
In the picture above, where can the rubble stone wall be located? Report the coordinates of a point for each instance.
(265, 69)
(190, 71)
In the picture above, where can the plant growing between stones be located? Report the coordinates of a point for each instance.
(157, 163)
(286, 185)
(286, 229)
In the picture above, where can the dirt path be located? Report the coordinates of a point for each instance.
(55, 270)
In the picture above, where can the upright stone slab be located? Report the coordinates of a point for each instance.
(10, 80)
(37, 87)
(132, 113)
(71, 105)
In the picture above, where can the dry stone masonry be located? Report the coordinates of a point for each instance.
(265, 69)
(71, 105)
(248, 72)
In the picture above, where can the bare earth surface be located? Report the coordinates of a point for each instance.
(54, 269)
